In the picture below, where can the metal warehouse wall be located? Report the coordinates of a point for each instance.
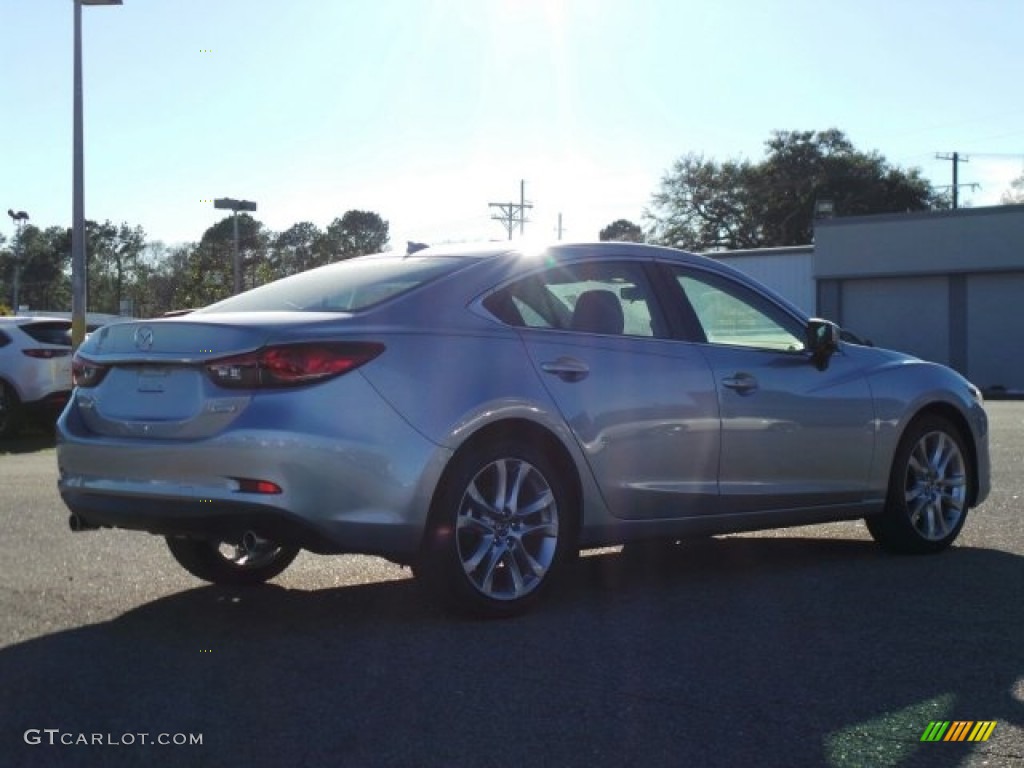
(787, 271)
(946, 286)
(995, 330)
(900, 313)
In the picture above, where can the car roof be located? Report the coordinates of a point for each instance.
(561, 251)
(29, 319)
(560, 247)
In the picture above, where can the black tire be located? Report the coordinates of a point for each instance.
(11, 411)
(494, 559)
(229, 564)
(929, 490)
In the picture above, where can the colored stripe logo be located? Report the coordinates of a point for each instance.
(958, 730)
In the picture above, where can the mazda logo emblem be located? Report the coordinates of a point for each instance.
(144, 338)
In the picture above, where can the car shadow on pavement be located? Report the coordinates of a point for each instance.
(766, 651)
(29, 441)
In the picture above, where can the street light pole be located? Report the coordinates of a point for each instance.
(78, 275)
(19, 219)
(77, 200)
(229, 203)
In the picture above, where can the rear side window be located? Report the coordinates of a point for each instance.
(346, 286)
(4, 339)
(58, 333)
(607, 298)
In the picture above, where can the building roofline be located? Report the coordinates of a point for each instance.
(950, 213)
(779, 249)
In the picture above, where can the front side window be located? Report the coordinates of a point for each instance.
(608, 298)
(733, 315)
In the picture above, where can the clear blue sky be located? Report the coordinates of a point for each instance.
(427, 110)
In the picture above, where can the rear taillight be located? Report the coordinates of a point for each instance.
(290, 365)
(46, 354)
(249, 485)
(85, 373)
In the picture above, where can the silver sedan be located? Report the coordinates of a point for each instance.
(483, 413)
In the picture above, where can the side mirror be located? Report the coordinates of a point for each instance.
(822, 341)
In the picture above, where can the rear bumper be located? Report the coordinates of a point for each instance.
(360, 482)
(230, 519)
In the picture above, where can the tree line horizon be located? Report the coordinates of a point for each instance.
(701, 205)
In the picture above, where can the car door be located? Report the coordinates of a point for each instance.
(642, 407)
(792, 436)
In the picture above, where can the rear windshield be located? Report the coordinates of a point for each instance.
(347, 286)
(56, 332)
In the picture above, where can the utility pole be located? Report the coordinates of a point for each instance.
(19, 218)
(957, 159)
(560, 226)
(513, 213)
(522, 206)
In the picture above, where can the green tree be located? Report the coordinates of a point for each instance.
(112, 255)
(1015, 194)
(704, 205)
(355, 234)
(6, 275)
(43, 259)
(159, 285)
(300, 247)
(623, 230)
(5, 263)
(209, 275)
(46, 274)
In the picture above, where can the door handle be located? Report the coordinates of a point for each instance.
(566, 368)
(743, 383)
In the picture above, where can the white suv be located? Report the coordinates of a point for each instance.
(35, 369)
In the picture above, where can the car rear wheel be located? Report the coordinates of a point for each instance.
(10, 411)
(250, 561)
(929, 490)
(499, 532)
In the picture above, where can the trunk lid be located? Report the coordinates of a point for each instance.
(156, 385)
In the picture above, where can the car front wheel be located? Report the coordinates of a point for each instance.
(499, 531)
(929, 488)
(250, 561)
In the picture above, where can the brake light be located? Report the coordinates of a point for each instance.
(85, 373)
(46, 354)
(249, 485)
(290, 365)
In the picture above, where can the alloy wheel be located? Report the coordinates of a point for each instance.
(507, 529)
(936, 486)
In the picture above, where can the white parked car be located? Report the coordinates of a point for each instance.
(35, 369)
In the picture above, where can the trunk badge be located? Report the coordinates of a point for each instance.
(144, 338)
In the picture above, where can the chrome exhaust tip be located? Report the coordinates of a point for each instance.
(253, 543)
(77, 523)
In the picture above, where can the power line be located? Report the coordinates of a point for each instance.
(513, 213)
(957, 158)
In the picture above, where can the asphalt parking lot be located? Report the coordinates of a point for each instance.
(805, 647)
